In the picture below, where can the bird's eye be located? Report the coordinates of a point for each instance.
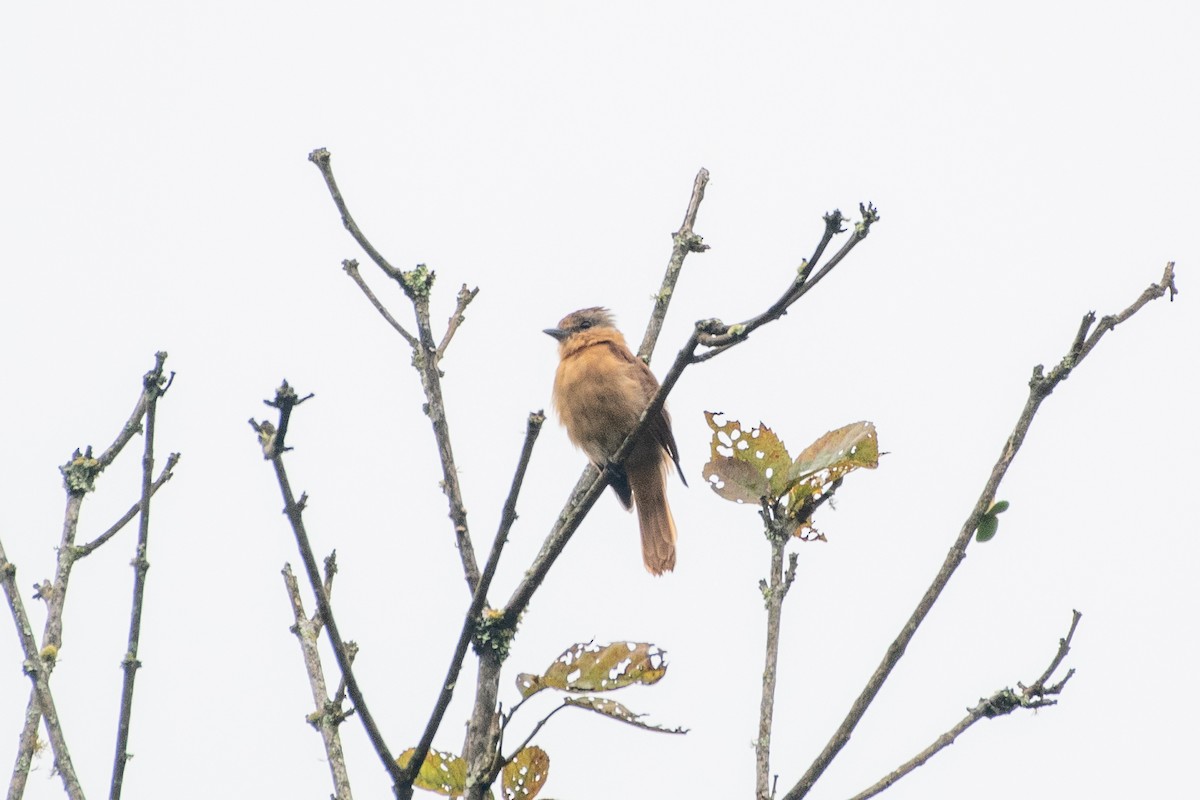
(583, 326)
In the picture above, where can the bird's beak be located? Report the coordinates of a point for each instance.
(557, 333)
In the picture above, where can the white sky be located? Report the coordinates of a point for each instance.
(1031, 162)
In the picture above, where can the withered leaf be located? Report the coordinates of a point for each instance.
(745, 466)
(613, 709)
(590, 667)
(526, 774)
(444, 773)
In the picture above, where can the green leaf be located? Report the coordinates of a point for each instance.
(987, 528)
(745, 466)
(614, 710)
(526, 774)
(444, 773)
(590, 667)
(998, 507)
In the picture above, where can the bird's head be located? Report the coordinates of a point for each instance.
(585, 319)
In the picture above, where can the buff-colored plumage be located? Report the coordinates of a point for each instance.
(600, 391)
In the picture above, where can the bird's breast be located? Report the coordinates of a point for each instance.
(599, 400)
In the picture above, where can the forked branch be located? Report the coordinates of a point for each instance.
(1001, 703)
(417, 285)
(1040, 387)
(274, 446)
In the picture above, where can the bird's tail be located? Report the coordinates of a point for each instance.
(654, 516)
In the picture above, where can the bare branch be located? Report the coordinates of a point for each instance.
(1002, 703)
(1064, 647)
(155, 385)
(1040, 387)
(417, 284)
(536, 728)
(134, 423)
(285, 400)
(719, 335)
(37, 667)
(320, 157)
(164, 476)
(339, 697)
(1153, 292)
(424, 359)
(479, 598)
(683, 241)
(465, 296)
(327, 715)
(773, 594)
(350, 267)
(79, 476)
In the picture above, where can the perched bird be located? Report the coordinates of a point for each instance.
(600, 392)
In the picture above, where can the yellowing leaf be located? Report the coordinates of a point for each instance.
(526, 774)
(825, 461)
(613, 709)
(444, 773)
(746, 466)
(591, 667)
(840, 451)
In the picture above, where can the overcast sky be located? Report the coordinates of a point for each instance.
(1031, 162)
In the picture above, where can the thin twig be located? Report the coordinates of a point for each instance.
(1152, 292)
(471, 620)
(274, 447)
(320, 157)
(1002, 703)
(134, 424)
(683, 241)
(79, 477)
(719, 335)
(350, 267)
(327, 715)
(424, 359)
(833, 226)
(339, 697)
(164, 476)
(417, 284)
(1040, 387)
(155, 386)
(540, 724)
(465, 296)
(1064, 647)
(37, 667)
(773, 594)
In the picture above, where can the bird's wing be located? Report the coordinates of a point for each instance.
(660, 426)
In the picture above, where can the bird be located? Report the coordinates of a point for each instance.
(600, 391)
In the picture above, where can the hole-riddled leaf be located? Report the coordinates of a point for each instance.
(613, 709)
(826, 460)
(593, 667)
(988, 525)
(847, 448)
(444, 773)
(745, 465)
(524, 776)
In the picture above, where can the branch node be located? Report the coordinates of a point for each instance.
(417, 282)
(493, 634)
